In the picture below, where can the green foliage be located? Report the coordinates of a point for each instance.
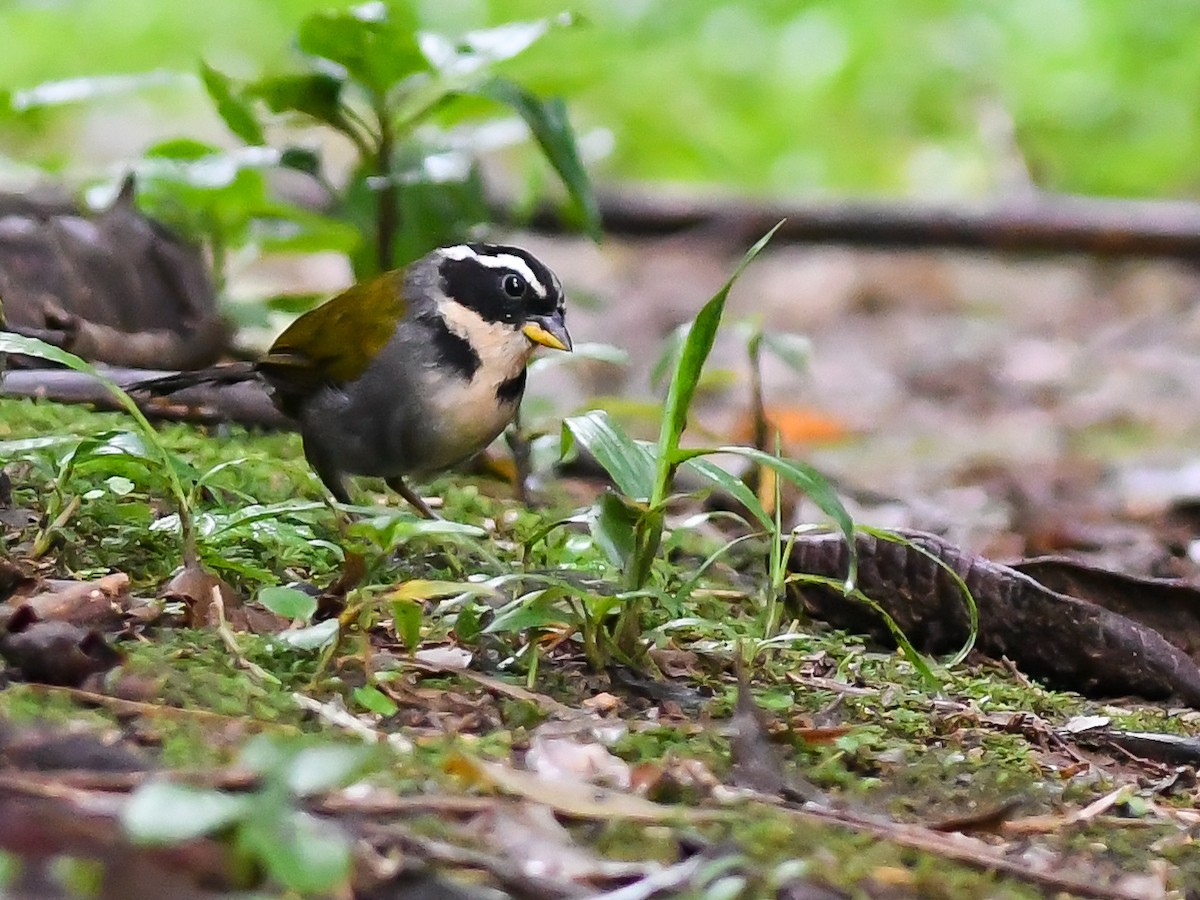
(777, 98)
(371, 76)
(409, 103)
(628, 526)
(290, 603)
(268, 827)
(167, 464)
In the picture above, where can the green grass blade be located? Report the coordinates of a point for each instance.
(696, 347)
(910, 652)
(26, 346)
(548, 122)
(630, 463)
(732, 485)
(814, 485)
(883, 534)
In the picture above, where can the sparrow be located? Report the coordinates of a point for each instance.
(409, 373)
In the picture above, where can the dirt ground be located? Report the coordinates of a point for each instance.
(1016, 405)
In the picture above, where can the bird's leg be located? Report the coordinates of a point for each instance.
(396, 483)
(335, 485)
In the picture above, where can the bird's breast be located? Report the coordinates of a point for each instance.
(468, 410)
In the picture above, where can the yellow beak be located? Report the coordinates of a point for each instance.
(549, 331)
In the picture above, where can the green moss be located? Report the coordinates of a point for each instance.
(907, 753)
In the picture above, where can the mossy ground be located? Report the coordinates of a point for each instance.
(912, 753)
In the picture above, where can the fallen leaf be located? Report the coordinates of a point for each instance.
(578, 801)
(565, 760)
(448, 658)
(54, 652)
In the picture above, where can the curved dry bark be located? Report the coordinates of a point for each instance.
(1067, 641)
(116, 287)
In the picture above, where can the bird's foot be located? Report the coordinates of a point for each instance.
(414, 499)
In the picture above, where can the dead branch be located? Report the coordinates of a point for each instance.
(247, 403)
(1037, 223)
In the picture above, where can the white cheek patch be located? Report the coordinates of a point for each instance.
(498, 261)
(503, 350)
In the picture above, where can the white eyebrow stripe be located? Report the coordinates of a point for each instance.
(498, 261)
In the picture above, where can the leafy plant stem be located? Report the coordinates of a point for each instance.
(910, 652)
(758, 406)
(45, 538)
(388, 199)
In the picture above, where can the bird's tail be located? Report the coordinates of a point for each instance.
(225, 373)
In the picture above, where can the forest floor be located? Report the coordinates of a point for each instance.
(455, 743)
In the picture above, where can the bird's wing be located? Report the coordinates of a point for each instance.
(335, 342)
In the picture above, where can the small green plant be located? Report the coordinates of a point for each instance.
(407, 103)
(268, 828)
(629, 523)
(148, 443)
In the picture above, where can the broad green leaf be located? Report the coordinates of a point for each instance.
(696, 347)
(324, 768)
(374, 47)
(26, 445)
(613, 523)
(315, 94)
(299, 851)
(288, 602)
(406, 620)
(235, 112)
(164, 813)
(424, 589)
(264, 754)
(284, 228)
(312, 637)
(111, 443)
(119, 485)
(181, 149)
(392, 530)
(534, 610)
(301, 159)
(630, 463)
(257, 512)
(814, 485)
(732, 485)
(548, 122)
(374, 700)
(468, 624)
(434, 212)
(476, 50)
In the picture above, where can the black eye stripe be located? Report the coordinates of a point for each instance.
(478, 277)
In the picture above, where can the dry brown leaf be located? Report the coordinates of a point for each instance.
(577, 801)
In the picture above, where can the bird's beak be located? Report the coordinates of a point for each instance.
(549, 331)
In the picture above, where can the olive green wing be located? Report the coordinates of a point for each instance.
(334, 343)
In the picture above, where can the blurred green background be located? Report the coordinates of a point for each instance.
(774, 97)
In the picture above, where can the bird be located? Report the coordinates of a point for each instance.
(411, 372)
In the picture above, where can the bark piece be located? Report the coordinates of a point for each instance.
(1069, 642)
(115, 287)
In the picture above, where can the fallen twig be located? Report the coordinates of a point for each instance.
(1037, 223)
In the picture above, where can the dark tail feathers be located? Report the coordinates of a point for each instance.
(226, 373)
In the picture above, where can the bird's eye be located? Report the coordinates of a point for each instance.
(514, 286)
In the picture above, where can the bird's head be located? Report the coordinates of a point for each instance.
(493, 291)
